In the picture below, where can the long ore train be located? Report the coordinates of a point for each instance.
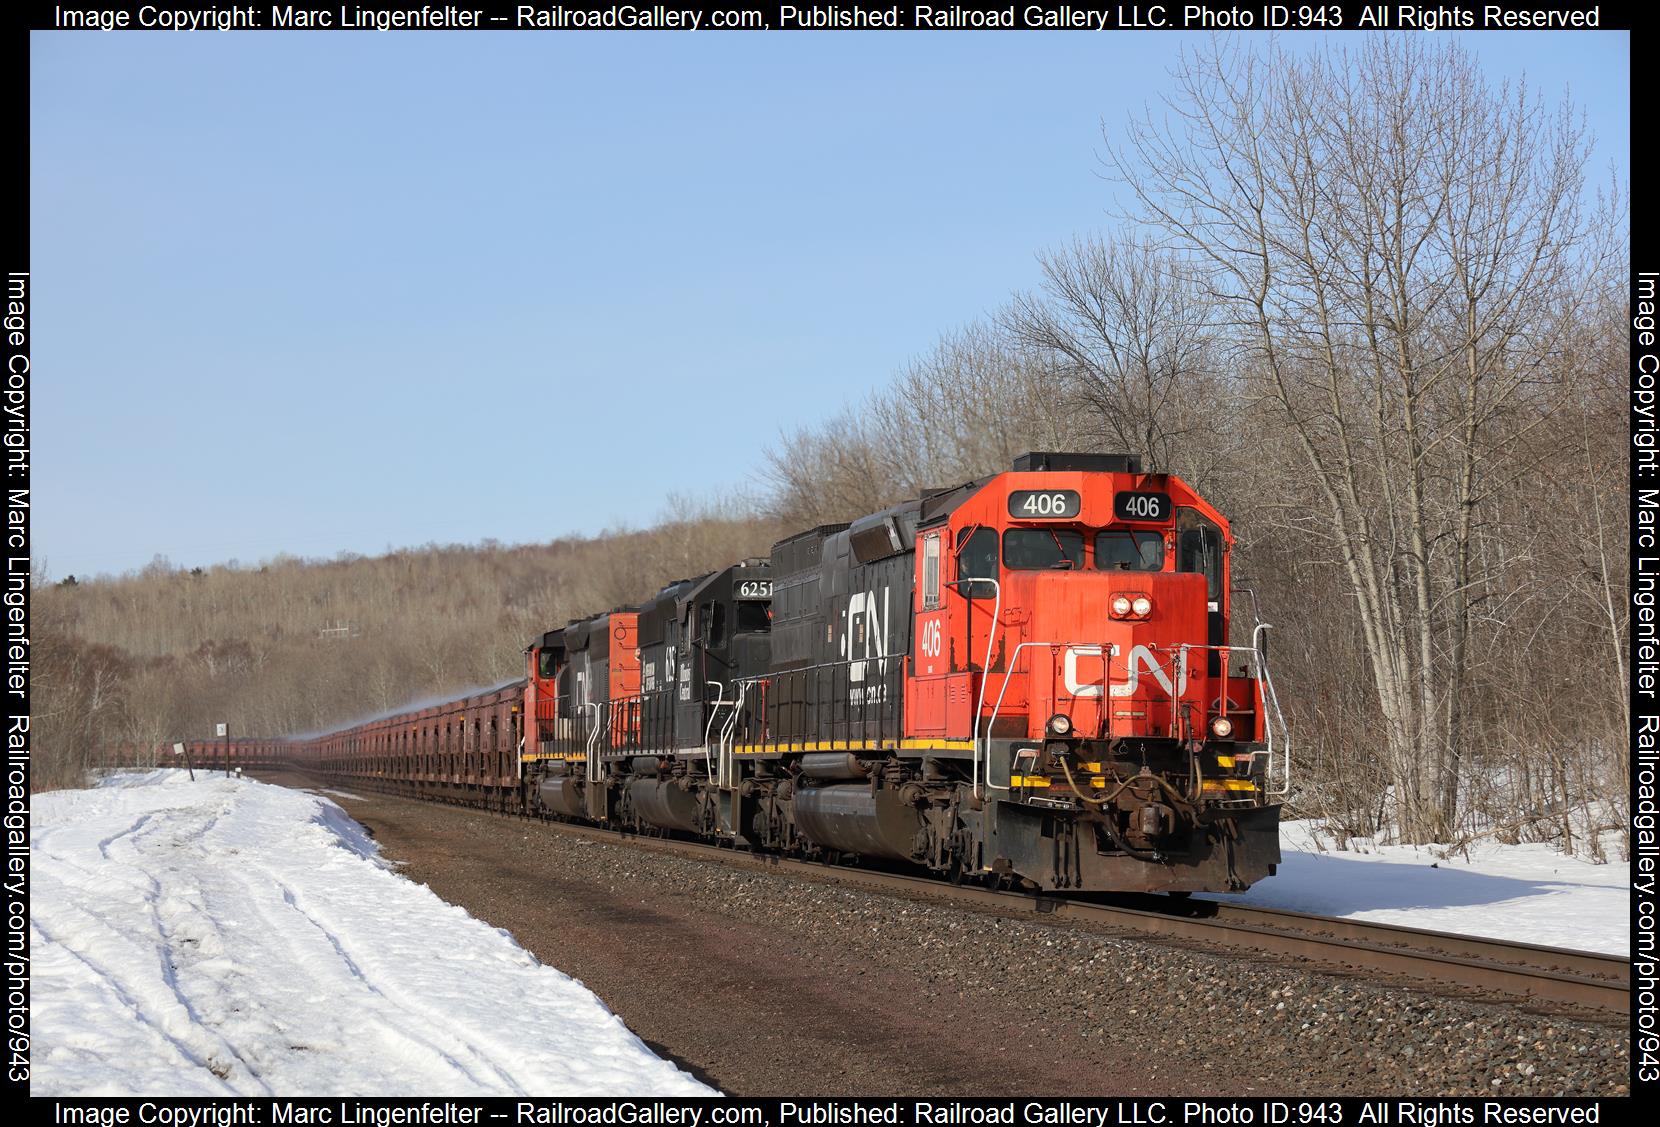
(1026, 680)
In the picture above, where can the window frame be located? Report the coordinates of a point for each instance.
(931, 571)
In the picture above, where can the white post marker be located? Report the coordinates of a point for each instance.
(178, 749)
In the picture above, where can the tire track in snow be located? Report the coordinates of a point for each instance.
(127, 993)
(174, 955)
(199, 938)
(208, 1048)
(396, 1000)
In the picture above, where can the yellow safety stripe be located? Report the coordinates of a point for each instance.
(806, 746)
(1224, 761)
(1229, 784)
(1028, 781)
(853, 745)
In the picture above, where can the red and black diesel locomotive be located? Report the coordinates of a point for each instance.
(1029, 679)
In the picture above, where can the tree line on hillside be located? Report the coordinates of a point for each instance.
(296, 646)
(1360, 298)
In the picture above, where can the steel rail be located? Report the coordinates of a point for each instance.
(1588, 964)
(1585, 983)
(1513, 971)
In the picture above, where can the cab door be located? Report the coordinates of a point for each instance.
(937, 701)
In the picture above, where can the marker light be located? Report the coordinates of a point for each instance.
(1060, 724)
(1221, 727)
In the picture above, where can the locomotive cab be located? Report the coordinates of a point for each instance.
(544, 660)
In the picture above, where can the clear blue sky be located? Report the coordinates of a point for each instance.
(314, 293)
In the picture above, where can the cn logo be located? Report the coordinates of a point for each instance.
(1069, 669)
(1141, 660)
(866, 628)
(929, 642)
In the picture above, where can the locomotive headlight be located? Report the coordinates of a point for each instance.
(1060, 724)
(1121, 605)
(1143, 606)
(1221, 727)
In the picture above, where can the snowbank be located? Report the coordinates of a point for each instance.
(1530, 893)
(229, 937)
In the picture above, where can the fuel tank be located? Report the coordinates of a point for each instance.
(563, 795)
(832, 765)
(664, 803)
(854, 819)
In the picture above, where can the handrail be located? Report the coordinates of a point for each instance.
(728, 732)
(895, 670)
(591, 767)
(985, 671)
(709, 725)
(1273, 700)
(1008, 675)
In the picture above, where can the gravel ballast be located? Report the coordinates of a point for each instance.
(767, 984)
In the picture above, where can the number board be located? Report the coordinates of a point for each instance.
(753, 589)
(1141, 506)
(1045, 504)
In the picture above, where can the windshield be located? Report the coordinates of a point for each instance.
(1120, 549)
(545, 667)
(1038, 549)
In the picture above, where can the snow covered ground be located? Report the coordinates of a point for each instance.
(1529, 893)
(223, 937)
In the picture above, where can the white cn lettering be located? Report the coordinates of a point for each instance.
(1142, 658)
(876, 635)
(1069, 670)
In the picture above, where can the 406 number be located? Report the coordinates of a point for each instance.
(1044, 504)
(1141, 506)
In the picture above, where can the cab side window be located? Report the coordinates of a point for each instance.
(977, 559)
(713, 621)
(931, 571)
(1199, 549)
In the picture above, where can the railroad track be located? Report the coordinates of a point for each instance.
(1581, 984)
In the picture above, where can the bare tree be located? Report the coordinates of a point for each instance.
(1134, 339)
(1388, 233)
